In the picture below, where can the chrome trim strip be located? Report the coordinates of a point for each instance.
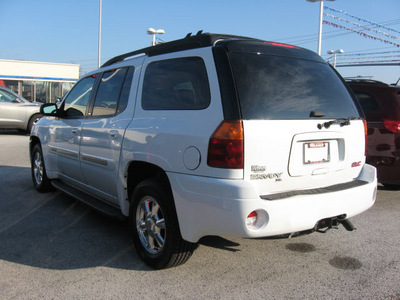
(59, 150)
(94, 159)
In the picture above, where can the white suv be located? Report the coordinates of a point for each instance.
(209, 135)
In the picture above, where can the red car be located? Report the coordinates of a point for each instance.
(381, 105)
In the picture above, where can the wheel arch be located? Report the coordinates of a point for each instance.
(138, 171)
(32, 142)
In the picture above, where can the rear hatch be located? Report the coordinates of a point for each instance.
(302, 128)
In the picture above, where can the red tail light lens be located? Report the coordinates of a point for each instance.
(225, 148)
(393, 126)
(251, 219)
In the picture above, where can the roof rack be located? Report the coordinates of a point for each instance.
(362, 80)
(190, 41)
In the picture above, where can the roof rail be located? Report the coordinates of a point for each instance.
(362, 80)
(199, 40)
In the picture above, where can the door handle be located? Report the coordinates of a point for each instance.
(113, 134)
(74, 131)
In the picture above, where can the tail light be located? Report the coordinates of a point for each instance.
(393, 126)
(366, 136)
(251, 219)
(225, 148)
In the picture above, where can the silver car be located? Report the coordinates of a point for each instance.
(16, 112)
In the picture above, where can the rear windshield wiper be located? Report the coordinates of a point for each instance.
(340, 121)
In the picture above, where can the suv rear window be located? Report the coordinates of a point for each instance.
(275, 87)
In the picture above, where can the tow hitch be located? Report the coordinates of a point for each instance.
(325, 224)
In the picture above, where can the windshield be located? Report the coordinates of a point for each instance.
(275, 87)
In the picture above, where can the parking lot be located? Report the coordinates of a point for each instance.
(53, 247)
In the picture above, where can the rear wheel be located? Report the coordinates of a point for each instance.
(154, 226)
(40, 181)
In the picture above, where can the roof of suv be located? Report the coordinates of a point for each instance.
(201, 40)
(368, 82)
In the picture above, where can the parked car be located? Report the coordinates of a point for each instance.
(381, 105)
(16, 112)
(209, 135)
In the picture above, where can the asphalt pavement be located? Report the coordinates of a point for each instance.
(53, 247)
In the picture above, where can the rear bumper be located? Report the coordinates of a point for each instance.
(209, 206)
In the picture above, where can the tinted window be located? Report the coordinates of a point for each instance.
(108, 92)
(123, 98)
(367, 102)
(176, 84)
(76, 102)
(274, 87)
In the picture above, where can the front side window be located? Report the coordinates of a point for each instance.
(275, 87)
(176, 84)
(76, 102)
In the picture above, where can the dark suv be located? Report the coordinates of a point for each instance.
(381, 105)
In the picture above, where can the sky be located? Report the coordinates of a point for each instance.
(66, 31)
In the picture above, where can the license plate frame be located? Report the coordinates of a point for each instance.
(316, 152)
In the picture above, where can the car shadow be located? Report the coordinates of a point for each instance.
(388, 187)
(219, 243)
(54, 231)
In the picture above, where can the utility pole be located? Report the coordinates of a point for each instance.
(99, 46)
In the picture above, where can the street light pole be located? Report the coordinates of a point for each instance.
(99, 45)
(334, 52)
(153, 32)
(321, 14)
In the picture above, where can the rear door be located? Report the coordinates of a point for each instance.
(301, 127)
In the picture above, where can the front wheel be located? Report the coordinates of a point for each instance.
(32, 121)
(40, 181)
(154, 226)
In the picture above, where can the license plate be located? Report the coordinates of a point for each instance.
(316, 152)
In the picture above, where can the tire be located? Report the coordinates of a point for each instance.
(32, 121)
(40, 180)
(154, 226)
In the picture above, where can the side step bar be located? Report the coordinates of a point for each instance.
(93, 202)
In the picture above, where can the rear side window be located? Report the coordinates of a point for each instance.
(176, 84)
(367, 102)
(124, 97)
(274, 87)
(108, 93)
